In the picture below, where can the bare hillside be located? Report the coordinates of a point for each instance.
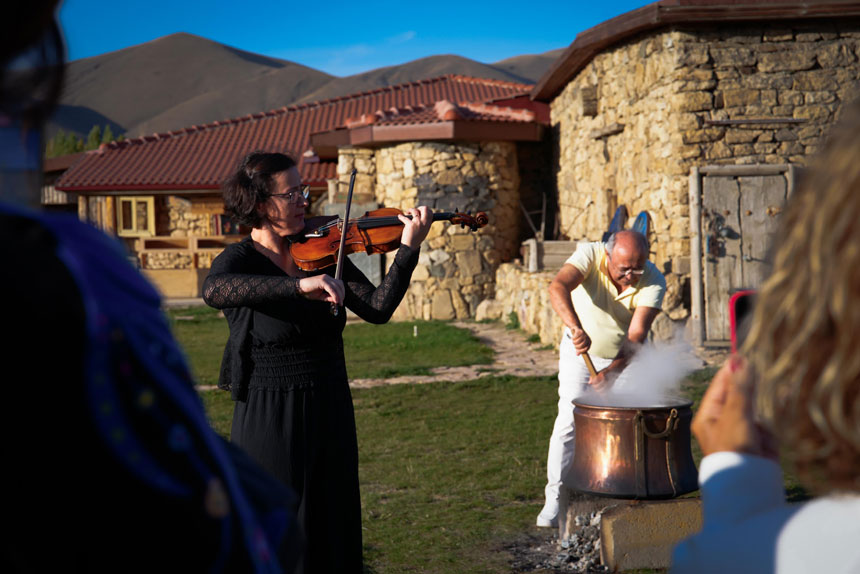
(530, 67)
(430, 67)
(182, 80)
(273, 90)
(131, 86)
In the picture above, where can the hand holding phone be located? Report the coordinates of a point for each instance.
(725, 420)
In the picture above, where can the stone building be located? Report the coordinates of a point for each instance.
(406, 158)
(698, 112)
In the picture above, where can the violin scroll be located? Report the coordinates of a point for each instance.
(473, 222)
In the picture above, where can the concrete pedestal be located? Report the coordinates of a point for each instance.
(643, 535)
(634, 534)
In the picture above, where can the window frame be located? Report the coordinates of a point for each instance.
(135, 230)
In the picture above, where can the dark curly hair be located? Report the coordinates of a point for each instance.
(252, 184)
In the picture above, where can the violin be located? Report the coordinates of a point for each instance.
(378, 231)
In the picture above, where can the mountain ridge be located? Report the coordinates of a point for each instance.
(182, 80)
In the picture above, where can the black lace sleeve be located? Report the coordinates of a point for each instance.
(234, 281)
(377, 304)
(225, 290)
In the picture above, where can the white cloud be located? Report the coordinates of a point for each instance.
(402, 38)
(351, 59)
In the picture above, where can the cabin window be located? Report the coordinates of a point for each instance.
(135, 216)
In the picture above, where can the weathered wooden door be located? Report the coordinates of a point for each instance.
(739, 217)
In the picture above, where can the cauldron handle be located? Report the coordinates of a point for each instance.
(671, 424)
(641, 431)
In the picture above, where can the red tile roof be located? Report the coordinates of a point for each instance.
(442, 121)
(200, 157)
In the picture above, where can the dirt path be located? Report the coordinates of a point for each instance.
(514, 356)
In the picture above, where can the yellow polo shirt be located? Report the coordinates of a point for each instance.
(604, 313)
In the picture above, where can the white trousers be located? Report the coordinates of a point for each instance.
(573, 378)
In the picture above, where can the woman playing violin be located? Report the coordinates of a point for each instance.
(284, 361)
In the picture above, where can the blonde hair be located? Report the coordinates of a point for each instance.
(804, 341)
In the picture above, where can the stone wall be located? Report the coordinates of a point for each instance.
(634, 122)
(172, 259)
(168, 260)
(456, 270)
(175, 218)
(526, 294)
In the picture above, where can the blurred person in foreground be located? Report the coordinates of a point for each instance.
(796, 379)
(607, 295)
(110, 464)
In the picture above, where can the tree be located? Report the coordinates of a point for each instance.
(94, 138)
(64, 143)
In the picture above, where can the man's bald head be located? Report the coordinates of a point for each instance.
(630, 243)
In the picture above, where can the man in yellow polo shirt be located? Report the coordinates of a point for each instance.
(607, 295)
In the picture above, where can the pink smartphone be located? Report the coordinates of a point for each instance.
(740, 313)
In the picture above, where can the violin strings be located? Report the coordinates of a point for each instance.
(380, 221)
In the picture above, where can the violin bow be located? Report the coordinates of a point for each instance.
(338, 273)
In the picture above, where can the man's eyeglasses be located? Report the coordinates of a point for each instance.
(294, 194)
(627, 271)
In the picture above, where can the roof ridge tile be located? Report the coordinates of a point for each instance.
(521, 114)
(447, 110)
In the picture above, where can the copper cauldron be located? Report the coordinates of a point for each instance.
(633, 452)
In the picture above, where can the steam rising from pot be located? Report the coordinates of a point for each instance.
(652, 379)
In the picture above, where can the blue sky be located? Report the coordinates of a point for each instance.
(340, 38)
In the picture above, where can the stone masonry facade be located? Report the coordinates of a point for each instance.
(175, 218)
(457, 268)
(178, 220)
(636, 119)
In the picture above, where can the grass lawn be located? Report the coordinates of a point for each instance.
(408, 348)
(450, 472)
(460, 469)
(202, 334)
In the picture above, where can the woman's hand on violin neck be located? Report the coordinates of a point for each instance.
(417, 228)
(322, 288)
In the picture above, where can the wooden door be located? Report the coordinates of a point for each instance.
(739, 216)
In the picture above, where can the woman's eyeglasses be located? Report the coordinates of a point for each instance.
(294, 194)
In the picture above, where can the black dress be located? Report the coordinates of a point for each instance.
(293, 413)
